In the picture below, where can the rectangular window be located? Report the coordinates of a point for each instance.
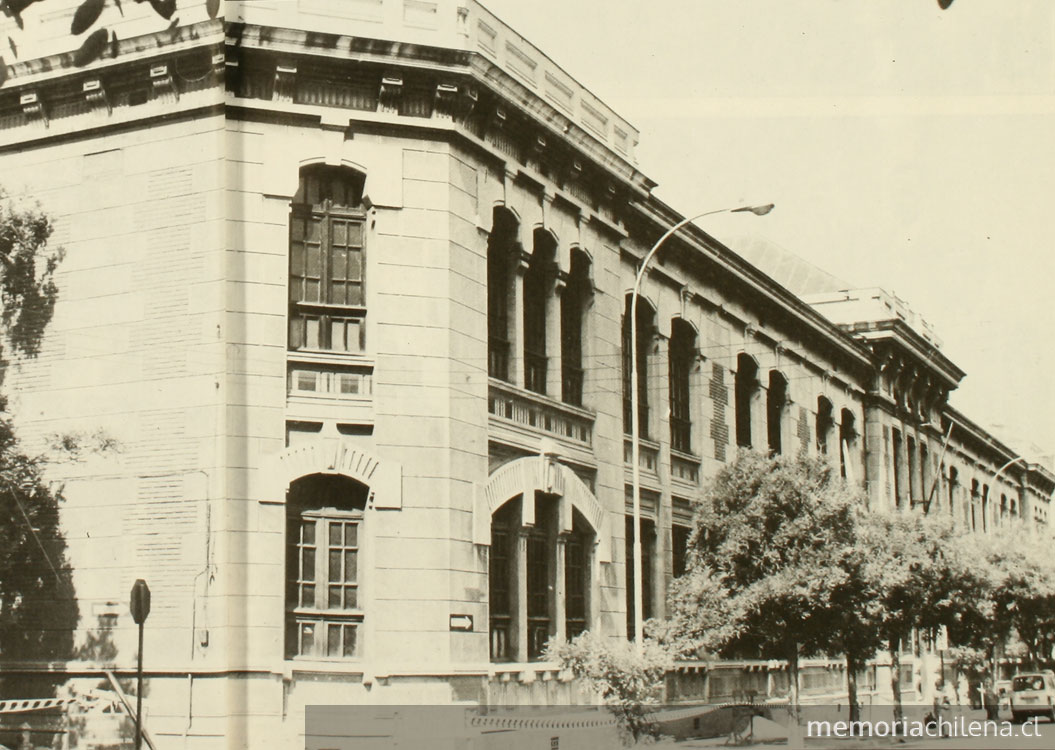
(898, 479)
(326, 280)
(680, 549)
(648, 553)
(680, 409)
(500, 571)
(332, 383)
(538, 590)
(575, 578)
(324, 555)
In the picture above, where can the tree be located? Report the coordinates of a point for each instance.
(628, 679)
(38, 612)
(856, 604)
(1020, 595)
(765, 539)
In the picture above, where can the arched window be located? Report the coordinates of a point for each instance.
(913, 472)
(953, 484)
(974, 504)
(746, 386)
(825, 421)
(776, 404)
(899, 468)
(646, 318)
(501, 255)
(327, 238)
(538, 284)
(526, 613)
(324, 520)
(682, 359)
(573, 302)
(847, 440)
(924, 471)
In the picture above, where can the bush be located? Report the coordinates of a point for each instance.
(627, 680)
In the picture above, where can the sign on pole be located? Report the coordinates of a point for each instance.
(139, 604)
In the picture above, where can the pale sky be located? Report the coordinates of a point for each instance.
(905, 147)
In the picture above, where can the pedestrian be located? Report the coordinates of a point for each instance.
(991, 701)
(941, 704)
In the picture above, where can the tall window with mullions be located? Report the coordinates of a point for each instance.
(327, 233)
(324, 606)
(682, 359)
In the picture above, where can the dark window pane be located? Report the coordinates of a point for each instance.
(338, 293)
(296, 332)
(335, 533)
(307, 638)
(339, 263)
(311, 333)
(350, 559)
(354, 266)
(349, 640)
(314, 261)
(307, 565)
(308, 532)
(351, 597)
(335, 565)
(355, 234)
(334, 598)
(340, 233)
(306, 381)
(351, 535)
(333, 640)
(307, 595)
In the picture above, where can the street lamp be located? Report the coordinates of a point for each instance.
(635, 427)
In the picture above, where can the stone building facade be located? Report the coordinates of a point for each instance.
(346, 282)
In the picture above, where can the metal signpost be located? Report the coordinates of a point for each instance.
(140, 606)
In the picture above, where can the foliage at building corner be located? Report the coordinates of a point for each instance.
(27, 277)
(628, 680)
(38, 609)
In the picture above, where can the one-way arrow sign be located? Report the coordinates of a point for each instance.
(462, 622)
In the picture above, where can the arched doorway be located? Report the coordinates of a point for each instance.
(545, 547)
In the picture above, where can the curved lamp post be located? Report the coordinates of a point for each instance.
(635, 427)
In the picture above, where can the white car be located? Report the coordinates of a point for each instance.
(1033, 694)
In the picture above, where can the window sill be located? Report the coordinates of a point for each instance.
(345, 667)
(325, 357)
(309, 397)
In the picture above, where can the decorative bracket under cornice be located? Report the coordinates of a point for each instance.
(95, 94)
(33, 107)
(446, 105)
(163, 83)
(285, 83)
(390, 94)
